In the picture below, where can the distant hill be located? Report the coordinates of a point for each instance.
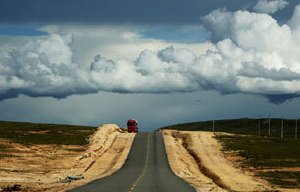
(245, 126)
(40, 133)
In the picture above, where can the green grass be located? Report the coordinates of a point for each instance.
(242, 126)
(3, 147)
(264, 151)
(6, 155)
(7, 149)
(267, 153)
(286, 179)
(37, 133)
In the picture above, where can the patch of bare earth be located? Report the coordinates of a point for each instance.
(197, 158)
(41, 167)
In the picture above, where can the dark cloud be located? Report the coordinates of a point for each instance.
(281, 98)
(253, 70)
(112, 11)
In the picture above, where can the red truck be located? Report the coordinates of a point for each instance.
(132, 125)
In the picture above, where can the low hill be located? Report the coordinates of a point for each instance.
(245, 126)
(40, 133)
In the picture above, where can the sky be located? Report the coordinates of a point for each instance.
(162, 62)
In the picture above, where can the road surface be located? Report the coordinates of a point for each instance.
(145, 170)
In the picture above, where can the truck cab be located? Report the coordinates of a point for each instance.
(132, 125)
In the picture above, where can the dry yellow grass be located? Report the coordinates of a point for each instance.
(40, 167)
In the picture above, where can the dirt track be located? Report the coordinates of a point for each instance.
(40, 167)
(196, 157)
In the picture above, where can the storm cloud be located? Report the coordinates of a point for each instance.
(110, 11)
(253, 54)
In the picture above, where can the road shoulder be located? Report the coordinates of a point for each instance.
(197, 158)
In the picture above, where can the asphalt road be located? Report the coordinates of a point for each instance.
(145, 170)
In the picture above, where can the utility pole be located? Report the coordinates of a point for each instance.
(213, 126)
(296, 129)
(269, 125)
(281, 135)
(258, 126)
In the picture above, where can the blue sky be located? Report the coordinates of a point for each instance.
(174, 33)
(21, 30)
(162, 62)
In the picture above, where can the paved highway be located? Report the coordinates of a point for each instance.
(145, 170)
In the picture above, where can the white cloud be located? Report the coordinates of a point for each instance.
(116, 41)
(41, 67)
(257, 54)
(270, 6)
(254, 55)
(45, 67)
(218, 21)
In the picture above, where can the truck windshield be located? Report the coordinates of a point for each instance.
(131, 123)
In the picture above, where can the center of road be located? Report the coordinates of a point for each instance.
(145, 167)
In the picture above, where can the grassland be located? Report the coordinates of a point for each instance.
(271, 157)
(243, 126)
(5, 151)
(268, 155)
(37, 133)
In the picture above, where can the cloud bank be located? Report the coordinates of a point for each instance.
(270, 6)
(42, 68)
(253, 54)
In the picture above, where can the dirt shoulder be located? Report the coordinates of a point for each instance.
(197, 158)
(42, 167)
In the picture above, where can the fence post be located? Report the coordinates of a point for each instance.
(213, 126)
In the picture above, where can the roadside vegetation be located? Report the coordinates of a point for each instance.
(37, 133)
(270, 157)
